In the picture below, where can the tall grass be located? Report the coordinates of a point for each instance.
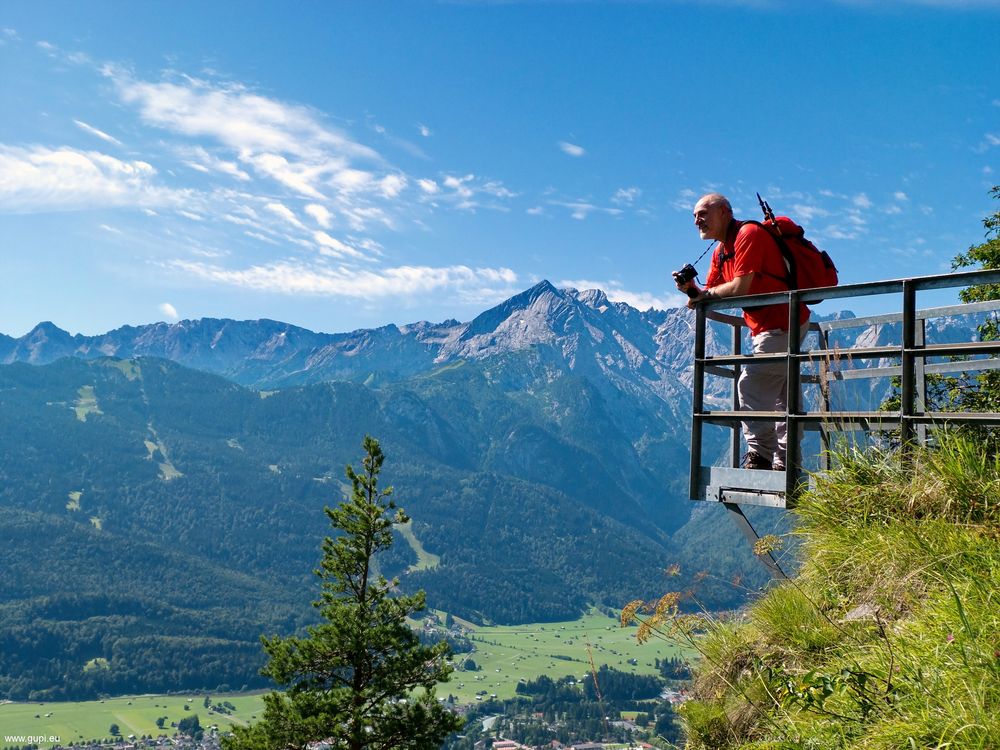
(888, 637)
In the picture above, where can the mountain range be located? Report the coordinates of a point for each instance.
(163, 485)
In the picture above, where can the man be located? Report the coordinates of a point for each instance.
(747, 260)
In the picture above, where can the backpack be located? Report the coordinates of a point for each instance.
(808, 266)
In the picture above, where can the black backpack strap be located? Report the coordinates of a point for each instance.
(723, 256)
(791, 278)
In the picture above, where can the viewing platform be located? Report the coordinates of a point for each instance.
(824, 378)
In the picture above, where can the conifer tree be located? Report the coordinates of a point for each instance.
(361, 680)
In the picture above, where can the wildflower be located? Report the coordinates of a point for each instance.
(950, 638)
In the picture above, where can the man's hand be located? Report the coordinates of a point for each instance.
(701, 296)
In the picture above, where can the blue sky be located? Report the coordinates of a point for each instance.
(342, 165)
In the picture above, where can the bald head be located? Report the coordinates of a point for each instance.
(712, 214)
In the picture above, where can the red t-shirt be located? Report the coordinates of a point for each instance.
(751, 249)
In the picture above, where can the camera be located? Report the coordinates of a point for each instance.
(686, 274)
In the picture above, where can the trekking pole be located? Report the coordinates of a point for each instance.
(768, 214)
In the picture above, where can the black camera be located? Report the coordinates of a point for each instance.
(686, 274)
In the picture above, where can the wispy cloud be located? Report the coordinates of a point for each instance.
(572, 149)
(321, 214)
(267, 174)
(640, 300)
(235, 116)
(626, 196)
(332, 246)
(804, 212)
(284, 212)
(580, 210)
(95, 132)
(199, 159)
(470, 192)
(290, 277)
(684, 200)
(169, 311)
(38, 178)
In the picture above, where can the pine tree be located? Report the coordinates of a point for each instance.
(361, 680)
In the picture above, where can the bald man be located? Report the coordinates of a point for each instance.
(747, 260)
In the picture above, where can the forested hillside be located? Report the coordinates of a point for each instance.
(155, 520)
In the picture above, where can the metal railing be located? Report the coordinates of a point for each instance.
(734, 486)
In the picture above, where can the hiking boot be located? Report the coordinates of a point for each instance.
(753, 460)
(778, 465)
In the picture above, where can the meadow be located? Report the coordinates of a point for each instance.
(504, 656)
(84, 720)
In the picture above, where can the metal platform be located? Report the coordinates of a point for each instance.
(743, 486)
(825, 366)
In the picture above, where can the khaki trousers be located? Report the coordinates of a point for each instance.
(764, 387)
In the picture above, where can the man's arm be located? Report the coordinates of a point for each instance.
(736, 288)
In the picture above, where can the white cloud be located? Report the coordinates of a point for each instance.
(626, 196)
(685, 200)
(298, 177)
(861, 201)
(292, 277)
(900, 196)
(320, 214)
(993, 139)
(429, 186)
(392, 185)
(333, 247)
(424, 130)
(109, 229)
(261, 237)
(805, 213)
(95, 132)
(200, 160)
(639, 300)
(234, 116)
(169, 311)
(470, 193)
(580, 210)
(535, 211)
(572, 149)
(40, 178)
(279, 209)
(191, 215)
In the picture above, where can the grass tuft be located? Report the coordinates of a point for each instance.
(888, 637)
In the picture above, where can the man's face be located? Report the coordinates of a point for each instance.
(712, 220)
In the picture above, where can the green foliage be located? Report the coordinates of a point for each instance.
(887, 638)
(191, 726)
(361, 679)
